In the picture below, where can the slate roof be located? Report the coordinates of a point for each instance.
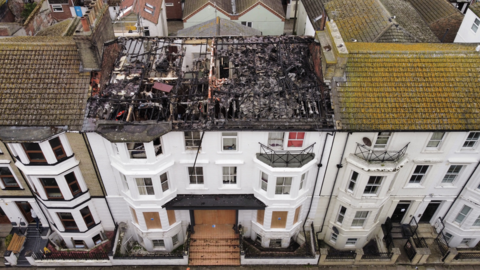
(475, 8)
(372, 21)
(314, 9)
(209, 29)
(433, 10)
(409, 87)
(192, 6)
(40, 83)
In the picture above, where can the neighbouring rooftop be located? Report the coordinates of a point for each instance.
(218, 27)
(475, 7)
(257, 83)
(232, 7)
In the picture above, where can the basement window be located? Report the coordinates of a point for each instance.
(79, 244)
(475, 25)
(276, 243)
(97, 239)
(57, 8)
(258, 239)
(158, 244)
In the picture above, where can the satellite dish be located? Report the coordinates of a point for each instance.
(335, 230)
(367, 141)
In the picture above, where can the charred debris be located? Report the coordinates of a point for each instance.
(257, 83)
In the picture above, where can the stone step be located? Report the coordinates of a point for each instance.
(214, 249)
(215, 262)
(214, 242)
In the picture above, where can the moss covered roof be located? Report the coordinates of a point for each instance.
(409, 87)
(40, 82)
(63, 28)
(475, 8)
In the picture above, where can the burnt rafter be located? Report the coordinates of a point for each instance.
(213, 83)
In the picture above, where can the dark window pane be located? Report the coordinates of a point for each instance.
(85, 211)
(10, 182)
(55, 142)
(70, 178)
(5, 171)
(49, 182)
(32, 146)
(36, 156)
(65, 215)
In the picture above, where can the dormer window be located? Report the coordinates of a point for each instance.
(34, 152)
(57, 148)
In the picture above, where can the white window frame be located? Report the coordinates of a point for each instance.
(353, 181)
(142, 186)
(2, 185)
(175, 239)
(448, 237)
(435, 142)
(229, 177)
(302, 181)
(382, 136)
(285, 187)
(196, 175)
(351, 241)
(466, 241)
(475, 25)
(57, 7)
(275, 141)
(333, 237)
(476, 223)
(263, 182)
(373, 187)
(418, 174)
(189, 137)
(137, 147)
(245, 23)
(164, 181)
(461, 215)
(452, 174)
(341, 214)
(157, 247)
(471, 142)
(230, 135)
(360, 216)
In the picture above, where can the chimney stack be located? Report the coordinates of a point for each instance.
(85, 25)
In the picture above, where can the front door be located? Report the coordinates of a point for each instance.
(215, 217)
(400, 211)
(25, 208)
(430, 211)
(3, 218)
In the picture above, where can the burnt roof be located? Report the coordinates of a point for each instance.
(257, 83)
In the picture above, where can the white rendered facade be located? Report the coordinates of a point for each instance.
(468, 31)
(433, 171)
(124, 196)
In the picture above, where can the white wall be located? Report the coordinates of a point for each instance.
(465, 33)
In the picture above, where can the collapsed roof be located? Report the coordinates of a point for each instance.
(257, 83)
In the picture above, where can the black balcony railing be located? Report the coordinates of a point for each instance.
(73, 255)
(290, 158)
(372, 155)
(341, 255)
(468, 256)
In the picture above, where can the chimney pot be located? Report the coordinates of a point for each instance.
(85, 26)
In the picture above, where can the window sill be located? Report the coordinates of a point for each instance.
(446, 186)
(196, 187)
(467, 151)
(413, 186)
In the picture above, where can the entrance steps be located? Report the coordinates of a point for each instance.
(426, 231)
(217, 245)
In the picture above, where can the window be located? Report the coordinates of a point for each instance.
(263, 181)
(145, 186)
(382, 139)
(175, 239)
(164, 181)
(229, 175)
(157, 144)
(297, 214)
(192, 139)
(334, 238)
(302, 180)
(258, 239)
(136, 150)
(34, 152)
(87, 217)
(249, 24)
(353, 181)
(374, 183)
(448, 237)
(295, 139)
(158, 244)
(97, 239)
(68, 221)
(275, 140)
(275, 243)
(436, 139)
(196, 175)
(125, 182)
(452, 173)
(471, 140)
(283, 185)
(477, 222)
(359, 219)
(57, 148)
(73, 184)
(57, 8)
(466, 241)
(475, 25)
(341, 214)
(462, 214)
(7, 178)
(79, 244)
(229, 141)
(51, 188)
(351, 242)
(418, 174)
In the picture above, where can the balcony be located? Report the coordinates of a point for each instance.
(373, 156)
(282, 158)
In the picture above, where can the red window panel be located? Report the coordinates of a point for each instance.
(295, 139)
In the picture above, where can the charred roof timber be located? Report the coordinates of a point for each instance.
(257, 83)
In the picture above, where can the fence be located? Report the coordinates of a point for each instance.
(409, 250)
(286, 157)
(379, 255)
(368, 154)
(71, 256)
(467, 255)
(341, 255)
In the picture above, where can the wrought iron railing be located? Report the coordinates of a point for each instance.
(240, 242)
(442, 243)
(72, 255)
(409, 250)
(467, 255)
(378, 256)
(186, 246)
(286, 157)
(315, 239)
(341, 255)
(419, 241)
(372, 155)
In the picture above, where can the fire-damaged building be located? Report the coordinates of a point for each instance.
(211, 139)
